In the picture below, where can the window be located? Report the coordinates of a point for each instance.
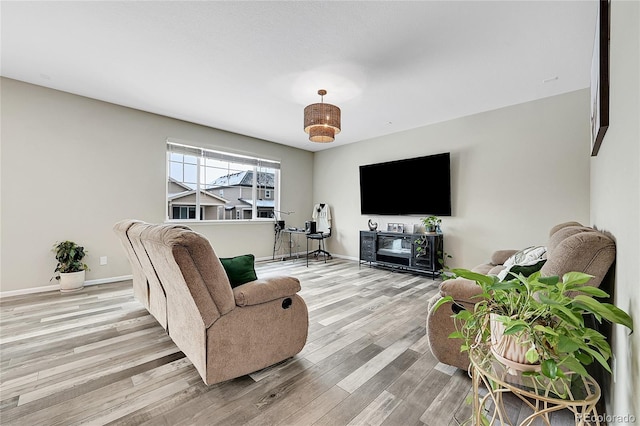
(203, 184)
(185, 212)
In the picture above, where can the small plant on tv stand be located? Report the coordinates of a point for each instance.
(431, 223)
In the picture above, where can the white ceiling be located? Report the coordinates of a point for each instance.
(251, 67)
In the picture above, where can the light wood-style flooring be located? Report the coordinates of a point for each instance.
(97, 357)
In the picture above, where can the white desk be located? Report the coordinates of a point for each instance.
(290, 232)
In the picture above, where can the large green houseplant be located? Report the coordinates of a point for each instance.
(70, 270)
(546, 314)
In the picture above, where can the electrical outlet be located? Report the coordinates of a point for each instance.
(103, 260)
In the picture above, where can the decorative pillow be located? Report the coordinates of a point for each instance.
(526, 270)
(525, 262)
(239, 269)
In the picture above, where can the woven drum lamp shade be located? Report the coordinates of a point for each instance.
(322, 121)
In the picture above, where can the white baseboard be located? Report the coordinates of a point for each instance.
(342, 256)
(279, 257)
(108, 280)
(302, 255)
(56, 287)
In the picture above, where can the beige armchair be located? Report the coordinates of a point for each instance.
(225, 332)
(571, 247)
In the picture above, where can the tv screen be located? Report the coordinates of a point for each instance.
(416, 186)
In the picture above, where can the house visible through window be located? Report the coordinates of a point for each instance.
(203, 184)
(185, 212)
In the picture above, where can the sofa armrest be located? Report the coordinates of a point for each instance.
(265, 290)
(500, 256)
(461, 290)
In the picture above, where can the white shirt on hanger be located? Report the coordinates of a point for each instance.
(322, 216)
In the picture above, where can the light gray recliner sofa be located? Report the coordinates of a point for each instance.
(571, 247)
(225, 332)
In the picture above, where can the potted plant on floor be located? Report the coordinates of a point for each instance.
(541, 320)
(70, 270)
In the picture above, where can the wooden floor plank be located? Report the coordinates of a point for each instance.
(378, 411)
(317, 408)
(353, 405)
(448, 400)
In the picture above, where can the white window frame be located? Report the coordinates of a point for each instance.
(201, 153)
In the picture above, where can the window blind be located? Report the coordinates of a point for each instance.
(223, 156)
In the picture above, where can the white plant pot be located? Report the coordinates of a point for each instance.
(71, 281)
(508, 349)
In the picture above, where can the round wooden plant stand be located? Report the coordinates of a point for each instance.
(582, 394)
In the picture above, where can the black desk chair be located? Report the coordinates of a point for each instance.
(320, 237)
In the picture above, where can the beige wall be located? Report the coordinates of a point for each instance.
(515, 172)
(90, 163)
(615, 199)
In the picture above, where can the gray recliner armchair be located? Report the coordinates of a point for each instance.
(571, 247)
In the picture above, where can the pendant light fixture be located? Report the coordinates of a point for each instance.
(322, 121)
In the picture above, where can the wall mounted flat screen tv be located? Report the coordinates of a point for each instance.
(415, 186)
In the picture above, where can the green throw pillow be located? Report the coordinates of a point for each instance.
(239, 269)
(525, 270)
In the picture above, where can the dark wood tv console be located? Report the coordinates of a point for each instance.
(410, 252)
